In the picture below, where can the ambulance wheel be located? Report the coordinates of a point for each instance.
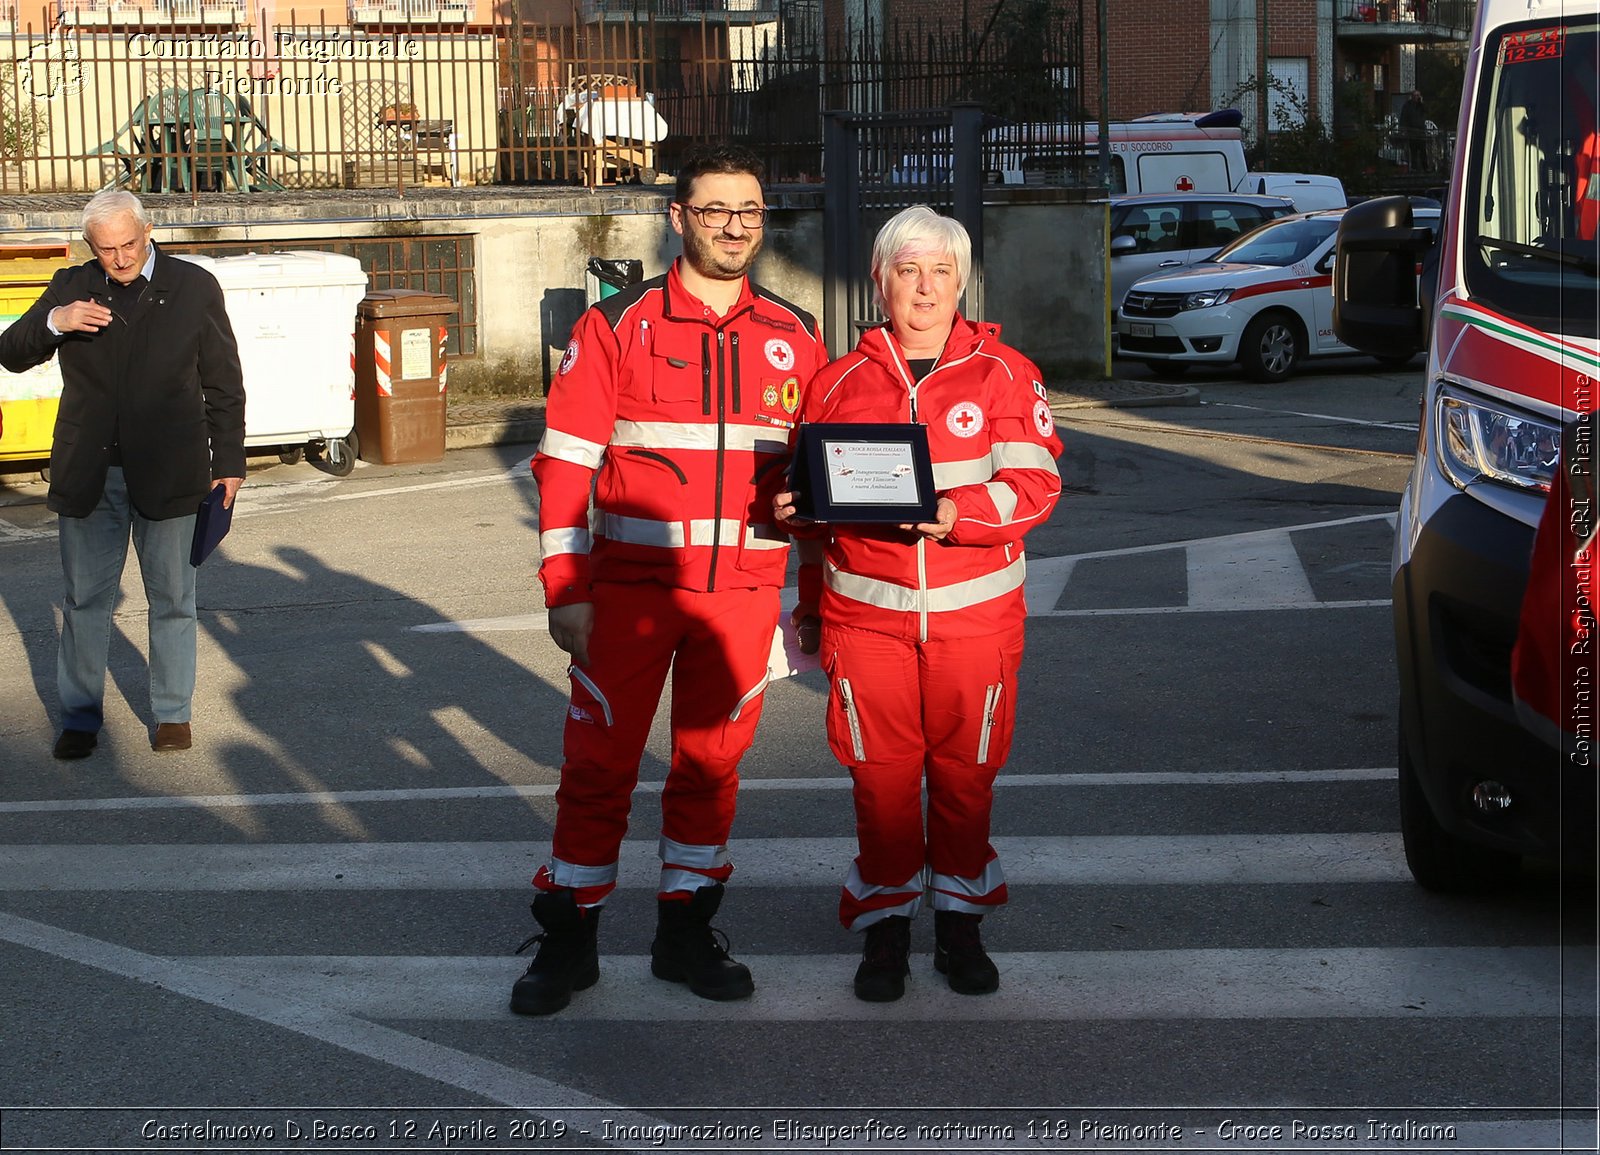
(1270, 348)
(292, 456)
(1439, 860)
(1169, 369)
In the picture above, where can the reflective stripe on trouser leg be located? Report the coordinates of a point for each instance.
(969, 698)
(630, 650)
(718, 675)
(94, 550)
(862, 903)
(589, 884)
(876, 733)
(687, 868)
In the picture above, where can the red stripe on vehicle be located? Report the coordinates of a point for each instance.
(1314, 282)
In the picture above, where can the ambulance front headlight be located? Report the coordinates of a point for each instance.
(1477, 440)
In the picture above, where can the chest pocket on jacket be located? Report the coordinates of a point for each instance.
(679, 367)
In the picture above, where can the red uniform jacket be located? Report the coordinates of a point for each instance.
(993, 442)
(680, 422)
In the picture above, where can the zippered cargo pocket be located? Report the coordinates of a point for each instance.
(587, 683)
(847, 699)
(991, 706)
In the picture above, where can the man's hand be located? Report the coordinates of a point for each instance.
(570, 627)
(807, 629)
(80, 317)
(230, 487)
(936, 530)
(783, 507)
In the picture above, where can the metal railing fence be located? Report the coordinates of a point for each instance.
(193, 99)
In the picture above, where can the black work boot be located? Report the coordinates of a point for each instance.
(958, 953)
(688, 949)
(567, 960)
(885, 960)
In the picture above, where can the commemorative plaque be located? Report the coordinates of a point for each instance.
(864, 473)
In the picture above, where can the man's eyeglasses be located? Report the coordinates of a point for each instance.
(719, 218)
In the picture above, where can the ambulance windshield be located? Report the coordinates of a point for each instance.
(1532, 225)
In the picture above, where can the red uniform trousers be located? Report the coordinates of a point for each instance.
(900, 710)
(717, 646)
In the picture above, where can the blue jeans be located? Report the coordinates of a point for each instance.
(93, 551)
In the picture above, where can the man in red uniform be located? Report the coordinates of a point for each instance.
(674, 401)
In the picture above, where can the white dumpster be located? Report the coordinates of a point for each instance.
(294, 316)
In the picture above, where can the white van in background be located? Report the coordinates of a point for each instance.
(1166, 152)
(1308, 191)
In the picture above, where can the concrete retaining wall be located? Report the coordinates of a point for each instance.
(1045, 276)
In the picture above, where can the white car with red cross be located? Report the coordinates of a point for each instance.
(1265, 301)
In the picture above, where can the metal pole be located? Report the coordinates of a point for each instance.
(1263, 74)
(1104, 66)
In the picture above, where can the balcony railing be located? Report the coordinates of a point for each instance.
(411, 11)
(741, 11)
(216, 13)
(1407, 21)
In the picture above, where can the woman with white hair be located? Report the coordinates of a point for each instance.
(922, 624)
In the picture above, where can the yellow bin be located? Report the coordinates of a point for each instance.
(28, 401)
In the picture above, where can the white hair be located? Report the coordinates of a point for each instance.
(109, 204)
(916, 232)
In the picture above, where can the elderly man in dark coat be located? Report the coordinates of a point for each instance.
(151, 418)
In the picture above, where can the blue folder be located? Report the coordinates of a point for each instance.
(210, 525)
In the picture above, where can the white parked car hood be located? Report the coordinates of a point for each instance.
(1193, 278)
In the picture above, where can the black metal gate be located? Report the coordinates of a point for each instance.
(877, 164)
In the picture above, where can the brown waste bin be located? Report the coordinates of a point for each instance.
(400, 375)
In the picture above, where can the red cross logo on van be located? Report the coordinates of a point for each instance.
(1183, 184)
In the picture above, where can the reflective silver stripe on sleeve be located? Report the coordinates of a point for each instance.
(1004, 498)
(1022, 455)
(553, 542)
(587, 683)
(566, 447)
(682, 435)
(950, 474)
(942, 599)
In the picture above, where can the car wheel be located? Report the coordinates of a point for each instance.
(1167, 368)
(1439, 860)
(1270, 348)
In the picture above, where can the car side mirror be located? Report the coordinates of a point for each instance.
(1123, 245)
(1375, 304)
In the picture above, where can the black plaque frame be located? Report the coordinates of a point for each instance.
(809, 474)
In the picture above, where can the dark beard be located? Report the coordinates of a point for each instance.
(703, 256)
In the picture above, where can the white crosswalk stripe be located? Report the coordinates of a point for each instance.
(1102, 860)
(1056, 986)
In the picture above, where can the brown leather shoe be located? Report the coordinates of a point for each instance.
(171, 736)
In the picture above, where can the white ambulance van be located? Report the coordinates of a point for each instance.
(1166, 152)
(1512, 359)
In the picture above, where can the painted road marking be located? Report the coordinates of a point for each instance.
(1043, 986)
(746, 785)
(1087, 860)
